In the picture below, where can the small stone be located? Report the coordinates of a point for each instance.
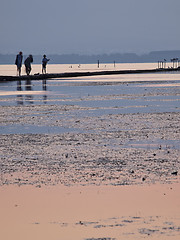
(175, 173)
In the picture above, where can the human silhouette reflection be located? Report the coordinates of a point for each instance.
(26, 97)
(19, 96)
(28, 87)
(19, 88)
(44, 87)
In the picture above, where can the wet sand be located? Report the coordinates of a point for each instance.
(106, 176)
(104, 212)
(115, 149)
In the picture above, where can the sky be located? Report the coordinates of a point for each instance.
(89, 26)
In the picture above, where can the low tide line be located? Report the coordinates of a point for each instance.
(83, 74)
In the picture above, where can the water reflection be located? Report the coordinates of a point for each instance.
(19, 97)
(28, 92)
(44, 87)
(28, 87)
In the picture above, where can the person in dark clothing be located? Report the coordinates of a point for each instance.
(18, 62)
(27, 64)
(44, 63)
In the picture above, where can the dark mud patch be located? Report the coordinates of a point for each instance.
(114, 149)
(152, 226)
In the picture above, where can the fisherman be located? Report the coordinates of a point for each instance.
(18, 62)
(44, 63)
(27, 64)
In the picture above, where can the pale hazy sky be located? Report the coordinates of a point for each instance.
(89, 26)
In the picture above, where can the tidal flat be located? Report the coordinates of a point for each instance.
(97, 165)
(115, 149)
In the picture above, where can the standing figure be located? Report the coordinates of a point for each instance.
(44, 63)
(27, 64)
(18, 62)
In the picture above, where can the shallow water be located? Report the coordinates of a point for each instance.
(130, 93)
(92, 96)
(59, 68)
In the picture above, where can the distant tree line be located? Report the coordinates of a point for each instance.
(154, 56)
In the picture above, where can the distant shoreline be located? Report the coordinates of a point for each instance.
(150, 57)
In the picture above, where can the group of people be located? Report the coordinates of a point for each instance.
(27, 63)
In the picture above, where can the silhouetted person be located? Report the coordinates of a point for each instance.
(27, 64)
(44, 63)
(18, 62)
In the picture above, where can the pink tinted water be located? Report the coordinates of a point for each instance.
(58, 68)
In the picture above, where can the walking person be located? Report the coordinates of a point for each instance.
(44, 63)
(18, 62)
(27, 64)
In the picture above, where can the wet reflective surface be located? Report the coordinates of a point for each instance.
(92, 96)
(91, 213)
(115, 93)
(93, 158)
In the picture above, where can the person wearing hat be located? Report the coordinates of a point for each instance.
(18, 62)
(44, 63)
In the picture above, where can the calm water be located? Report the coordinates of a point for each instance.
(129, 93)
(91, 96)
(58, 68)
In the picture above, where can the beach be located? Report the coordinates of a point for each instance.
(93, 158)
(126, 212)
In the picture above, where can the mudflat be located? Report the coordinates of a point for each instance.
(70, 174)
(115, 149)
